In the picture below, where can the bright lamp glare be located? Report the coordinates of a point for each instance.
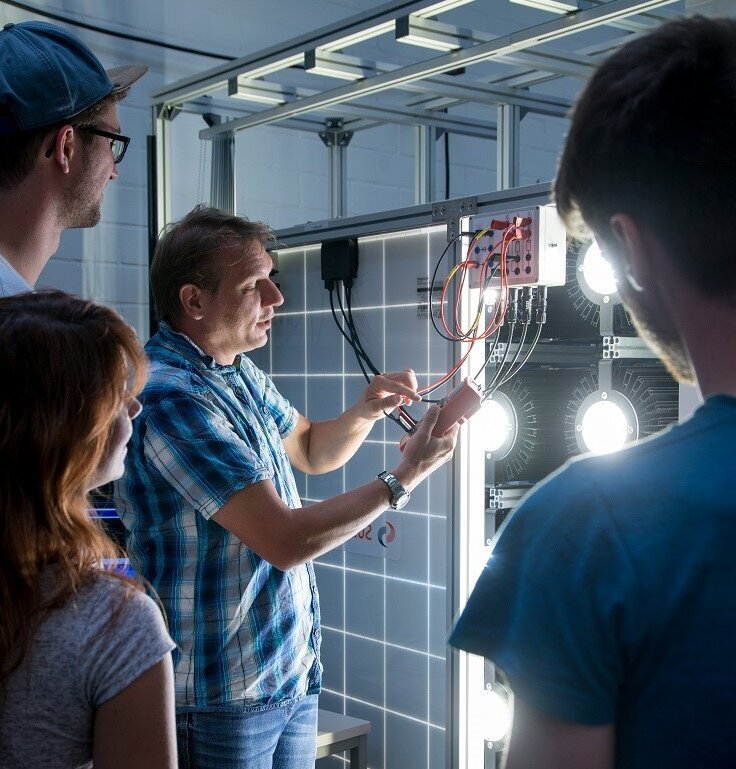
(604, 427)
(497, 425)
(597, 272)
(490, 296)
(497, 715)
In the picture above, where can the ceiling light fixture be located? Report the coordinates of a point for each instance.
(418, 31)
(553, 6)
(250, 89)
(329, 64)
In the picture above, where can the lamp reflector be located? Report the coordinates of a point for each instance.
(497, 713)
(604, 427)
(597, 271)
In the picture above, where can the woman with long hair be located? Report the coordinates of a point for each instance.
(85, 664)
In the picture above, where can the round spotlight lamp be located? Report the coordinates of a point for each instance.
(499, 424)
(595, 275)
(496, 712)
(605, 422)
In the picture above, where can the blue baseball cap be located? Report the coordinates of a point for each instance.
(48, 75)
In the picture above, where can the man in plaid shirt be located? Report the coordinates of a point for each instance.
(211, 507)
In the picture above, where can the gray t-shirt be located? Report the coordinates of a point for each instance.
(76, 663)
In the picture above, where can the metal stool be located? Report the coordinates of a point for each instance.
(337, 733)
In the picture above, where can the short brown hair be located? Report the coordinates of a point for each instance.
(652, 136)
(188, 250)
(19, 151)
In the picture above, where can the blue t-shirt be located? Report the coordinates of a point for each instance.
(610, 595)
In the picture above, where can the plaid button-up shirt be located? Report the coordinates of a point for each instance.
(247, 634)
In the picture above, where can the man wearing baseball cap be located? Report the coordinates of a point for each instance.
(60, 143)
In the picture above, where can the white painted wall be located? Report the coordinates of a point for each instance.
(282, 174)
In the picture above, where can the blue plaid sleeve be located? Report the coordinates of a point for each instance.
(194, 447)
(283, 413)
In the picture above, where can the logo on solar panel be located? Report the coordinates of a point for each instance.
(386, 534)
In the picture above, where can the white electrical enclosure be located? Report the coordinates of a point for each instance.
(538, 258)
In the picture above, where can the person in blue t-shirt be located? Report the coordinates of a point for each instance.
(608, 600)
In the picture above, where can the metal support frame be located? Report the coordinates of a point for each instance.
(626, 347)
(408, 218)
(508, 127)
(222, 173)
(162, 117)
(501, 46)
(425, 164)
(453, 211)
(336, 139)
(430, 77)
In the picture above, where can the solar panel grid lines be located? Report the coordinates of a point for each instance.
(384, 620)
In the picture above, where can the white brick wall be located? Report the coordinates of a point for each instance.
(281, 174)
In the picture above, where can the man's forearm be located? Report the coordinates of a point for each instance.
(333, 442)
(288, 537)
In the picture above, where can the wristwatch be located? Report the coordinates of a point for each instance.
(399, 495)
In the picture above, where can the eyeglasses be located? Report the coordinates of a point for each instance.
(118, 143)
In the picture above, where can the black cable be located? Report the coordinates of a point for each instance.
(404, 420)
(431, 285)
(502, 362)
(540, 317)
(496, 340)
(114, 33)
(526, 320)
(500, 378)
(523, 363)
(353, 330)
(348, 338)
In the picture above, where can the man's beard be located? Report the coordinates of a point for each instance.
(79, 206)
(665, 344)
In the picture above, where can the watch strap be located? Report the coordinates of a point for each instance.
(399, 495)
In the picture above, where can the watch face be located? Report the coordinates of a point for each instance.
(399, 495)
(400, 501)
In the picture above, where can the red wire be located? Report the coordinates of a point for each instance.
(511, 231)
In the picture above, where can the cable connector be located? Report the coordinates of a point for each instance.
(498, 224)
(540, 310)
(526, 313)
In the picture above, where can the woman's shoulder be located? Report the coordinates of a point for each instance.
(116, 600)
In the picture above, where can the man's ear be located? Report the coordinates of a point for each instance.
(633, 251)
(64, 145)
(192, 301)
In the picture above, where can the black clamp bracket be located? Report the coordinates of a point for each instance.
(334, 135)
(451, 211)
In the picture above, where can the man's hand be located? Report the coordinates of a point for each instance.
(385, 393)
(424, 453)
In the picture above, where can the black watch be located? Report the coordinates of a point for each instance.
(399, 495)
